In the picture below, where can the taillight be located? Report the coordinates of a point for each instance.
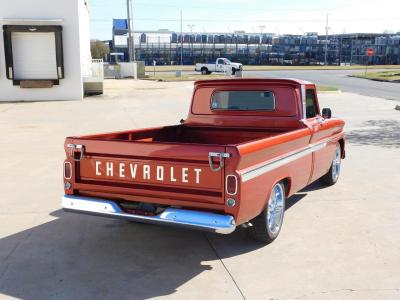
(67, 170)
(231, 185)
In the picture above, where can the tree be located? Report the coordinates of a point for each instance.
(99, 49)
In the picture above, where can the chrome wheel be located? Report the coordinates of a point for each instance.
(276, 209)
(336, 164)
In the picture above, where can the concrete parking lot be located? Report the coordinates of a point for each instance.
(341, 242)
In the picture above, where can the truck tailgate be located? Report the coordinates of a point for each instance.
(148, 172)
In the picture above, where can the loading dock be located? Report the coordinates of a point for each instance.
(46, 54)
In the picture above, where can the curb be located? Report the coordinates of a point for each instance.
(375, 79)
(329, 92)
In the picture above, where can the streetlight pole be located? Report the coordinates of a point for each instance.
(181, 40)
(191, 41)
(191, 26)
(326, 40)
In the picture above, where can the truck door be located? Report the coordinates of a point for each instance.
(322, 129)
(219, 67)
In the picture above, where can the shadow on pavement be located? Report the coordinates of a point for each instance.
(316, 185)
(384, 133)
(83, 257)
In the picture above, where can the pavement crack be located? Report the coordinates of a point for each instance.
(225, 267)
(125, 110)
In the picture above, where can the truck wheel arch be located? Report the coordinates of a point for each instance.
(342, 148)
(287, 182)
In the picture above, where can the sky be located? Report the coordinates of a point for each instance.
(252, 16)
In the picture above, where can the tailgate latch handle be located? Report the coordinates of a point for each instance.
(221, 156)
(74, 147)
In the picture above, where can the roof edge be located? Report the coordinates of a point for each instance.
(289, 81)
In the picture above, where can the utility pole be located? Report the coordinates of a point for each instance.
(181, 40)
(262, 27)
(133, 32)
(326, 39)
(128, 8)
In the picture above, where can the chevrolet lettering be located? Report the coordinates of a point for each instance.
(244, 148)
(146, 172)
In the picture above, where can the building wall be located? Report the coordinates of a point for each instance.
(164, 47)
(84, 38)
(70, 15)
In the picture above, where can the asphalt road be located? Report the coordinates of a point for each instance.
(337, 78)
(340, 79)
(340, 242)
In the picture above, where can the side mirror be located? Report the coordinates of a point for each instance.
(326, 113)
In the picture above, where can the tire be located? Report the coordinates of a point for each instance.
(233, 71)
(332, 176)
(204, 71)
(266, 226)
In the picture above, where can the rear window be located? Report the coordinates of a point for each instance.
(243, 100)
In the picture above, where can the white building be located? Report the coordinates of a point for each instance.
(44, 49)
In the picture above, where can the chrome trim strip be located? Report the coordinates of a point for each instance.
(303, 101)
(206, 221)
(226, 184)
(276, 163)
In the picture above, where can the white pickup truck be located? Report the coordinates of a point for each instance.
(222, 65)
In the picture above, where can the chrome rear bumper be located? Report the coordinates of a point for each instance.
(192, 219)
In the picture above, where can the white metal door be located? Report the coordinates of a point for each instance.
(34, 55)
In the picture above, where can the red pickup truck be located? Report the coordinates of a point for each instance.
(245, 147)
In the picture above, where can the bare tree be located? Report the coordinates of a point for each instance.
(99, 49)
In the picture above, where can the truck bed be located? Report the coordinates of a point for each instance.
(192, 135)
(178, 151)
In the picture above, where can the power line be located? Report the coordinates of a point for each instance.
(146, 4)
(108, 3)
(253, 21)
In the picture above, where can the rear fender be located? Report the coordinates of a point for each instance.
(286, 182)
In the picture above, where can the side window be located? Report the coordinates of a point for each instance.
(311, 105)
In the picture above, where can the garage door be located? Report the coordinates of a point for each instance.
(34, 55)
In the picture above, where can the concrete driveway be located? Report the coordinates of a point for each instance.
(341, 242)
